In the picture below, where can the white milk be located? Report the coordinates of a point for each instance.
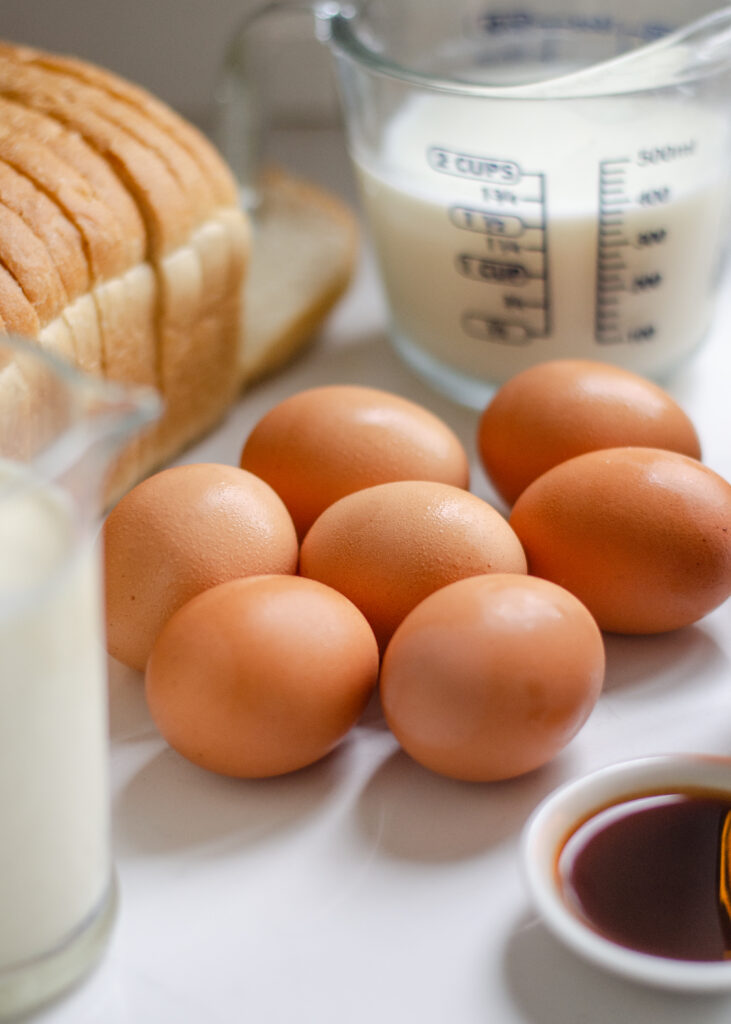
(514, 231)
(54, 847)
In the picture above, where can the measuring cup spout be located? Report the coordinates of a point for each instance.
(701, 48)
(708, 41)
(107, 415)
(113, 412)
(64, 425)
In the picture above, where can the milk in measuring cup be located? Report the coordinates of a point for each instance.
(514, 231)
(54, 853)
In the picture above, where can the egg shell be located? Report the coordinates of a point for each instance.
(323, 443)
(179, 532)
(640, 535)
(387, 547)
(491, 677)
(261, 676)
(555, 410)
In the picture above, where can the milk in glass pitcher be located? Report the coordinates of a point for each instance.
(58, 432)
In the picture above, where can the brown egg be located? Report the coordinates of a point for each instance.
(261, 676)
(326, 442)
(491, 676)
(555, 410)
(179, 532)
(641, 536)
(388, 547)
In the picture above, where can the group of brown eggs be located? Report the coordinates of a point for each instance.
(265, 602)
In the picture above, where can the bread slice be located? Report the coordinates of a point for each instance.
(304, 245)
(18, 315)
(49, 223)
(57, 338)
(27, 258)
(83, 322)
(201, 285)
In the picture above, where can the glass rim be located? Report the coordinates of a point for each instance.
(713, 28)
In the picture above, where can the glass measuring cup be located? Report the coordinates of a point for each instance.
(58, 432)
(540, 179)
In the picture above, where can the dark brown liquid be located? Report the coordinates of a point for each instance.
(651, 874)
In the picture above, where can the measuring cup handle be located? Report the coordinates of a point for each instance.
(244, 98)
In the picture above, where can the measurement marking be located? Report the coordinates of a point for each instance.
(505, 217)
(546, 262)
(610, 284)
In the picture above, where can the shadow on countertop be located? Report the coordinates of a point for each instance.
(551, 985)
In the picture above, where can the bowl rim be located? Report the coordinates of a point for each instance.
(558, 815)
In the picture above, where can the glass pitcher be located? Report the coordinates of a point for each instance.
(58, 432)
(541, 179)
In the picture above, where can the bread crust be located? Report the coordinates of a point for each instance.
(103, 239)
(49, 223)
(70, 147)
(26, 257)
(18, 315)
(198, 191)
(185, 134)
(165, 209)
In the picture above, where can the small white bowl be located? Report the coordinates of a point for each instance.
(556, 818)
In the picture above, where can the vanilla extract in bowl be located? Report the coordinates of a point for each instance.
(653, 874)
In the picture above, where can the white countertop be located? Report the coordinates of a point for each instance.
(366, 888)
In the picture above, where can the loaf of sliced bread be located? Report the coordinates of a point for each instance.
(122, 243)
(124, 249)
